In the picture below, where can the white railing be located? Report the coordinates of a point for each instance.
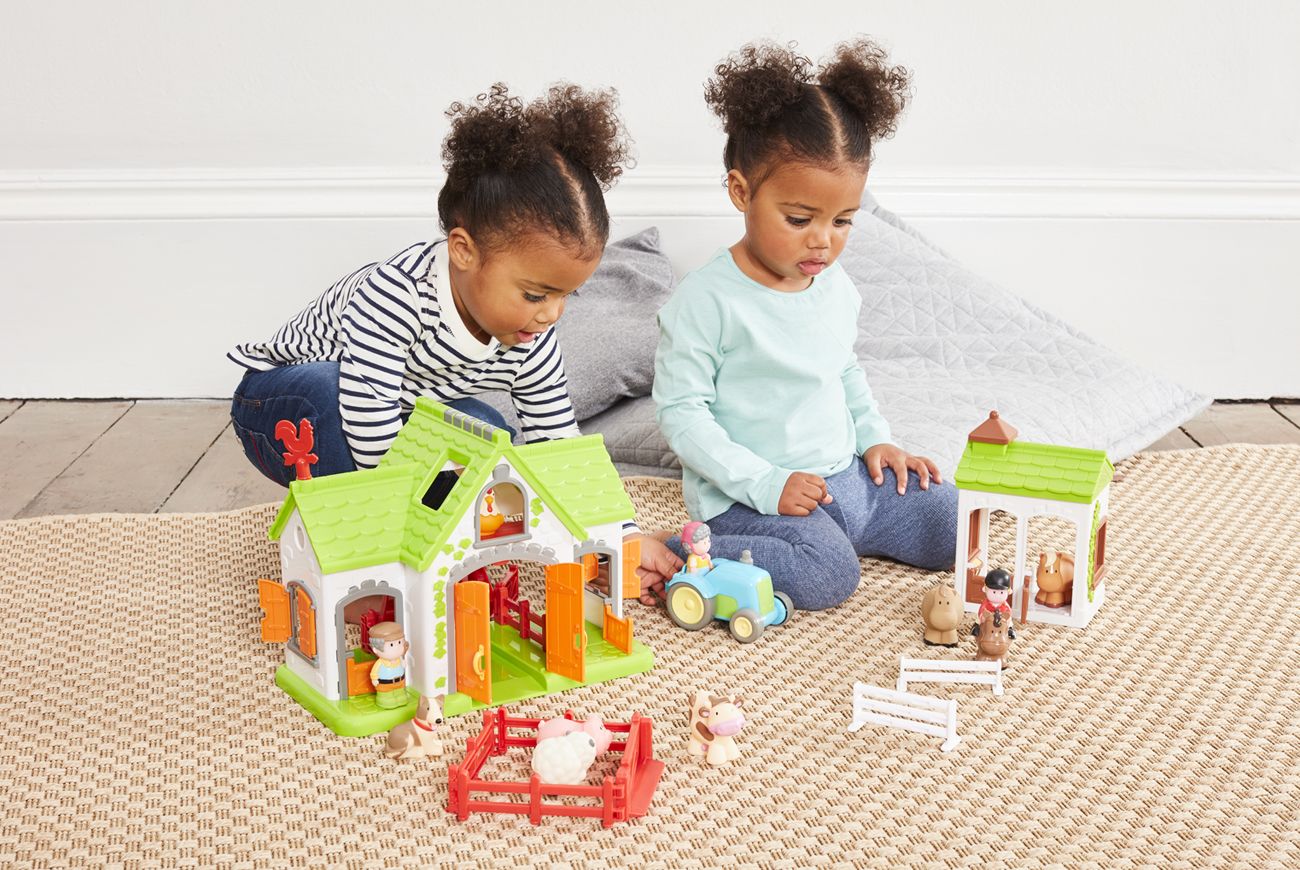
(939, 671)
(873, 705)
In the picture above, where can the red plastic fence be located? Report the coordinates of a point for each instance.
(495, 739)
(507, 609)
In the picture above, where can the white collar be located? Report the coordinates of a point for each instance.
(457, 334)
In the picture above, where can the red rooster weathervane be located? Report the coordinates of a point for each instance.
(298, 443)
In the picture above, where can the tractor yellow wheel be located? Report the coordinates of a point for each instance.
(745, 625)
(688, 608)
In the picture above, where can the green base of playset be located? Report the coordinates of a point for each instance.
(355, 717)
(519, 669)
(518, 672)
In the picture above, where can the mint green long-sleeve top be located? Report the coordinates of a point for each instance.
(752, 384)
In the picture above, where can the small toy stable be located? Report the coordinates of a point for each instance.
(998, 472)
(452, 498)
(624, 795)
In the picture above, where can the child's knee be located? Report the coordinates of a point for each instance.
(937, 532)
(825, 576)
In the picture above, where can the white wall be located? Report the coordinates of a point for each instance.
(177, 177)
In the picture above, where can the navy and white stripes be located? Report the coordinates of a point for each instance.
(385, 326)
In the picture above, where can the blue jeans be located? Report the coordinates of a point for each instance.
(814, 559)
(307, 391)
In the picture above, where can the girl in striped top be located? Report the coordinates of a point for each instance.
(524, 215)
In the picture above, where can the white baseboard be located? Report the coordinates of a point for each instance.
(135, 283)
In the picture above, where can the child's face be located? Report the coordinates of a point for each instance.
(515, 291)
(797, 222)
(997, 597)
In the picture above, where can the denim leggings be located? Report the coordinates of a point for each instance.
(307, 391)
(814, 559)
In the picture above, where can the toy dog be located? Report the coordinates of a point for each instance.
(415, 739)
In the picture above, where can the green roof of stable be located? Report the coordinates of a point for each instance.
(366, 518)
(1035, 470)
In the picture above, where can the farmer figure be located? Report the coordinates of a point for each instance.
(388, 675)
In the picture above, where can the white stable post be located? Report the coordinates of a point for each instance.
(940, 671)
(873, 705)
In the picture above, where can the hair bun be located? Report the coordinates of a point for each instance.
(755, 84)
(488, 135)
(584, 127)
(859, 74)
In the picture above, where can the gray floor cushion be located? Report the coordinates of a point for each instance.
(941, 347)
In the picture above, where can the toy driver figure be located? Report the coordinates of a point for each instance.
(997, 589)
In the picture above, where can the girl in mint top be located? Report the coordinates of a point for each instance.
(759, 392)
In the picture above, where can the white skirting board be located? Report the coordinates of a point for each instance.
(136, 283)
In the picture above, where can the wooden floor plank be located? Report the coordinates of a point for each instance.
(135, 465)
(1175, 440)
(1254, 423)
(40, 440)
(223, 480)
(7, 407)
(1291, 412)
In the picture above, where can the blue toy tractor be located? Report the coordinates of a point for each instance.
(738, 592)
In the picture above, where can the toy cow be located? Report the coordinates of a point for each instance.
(715, 722)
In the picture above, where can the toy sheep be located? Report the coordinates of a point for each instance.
(565, 760)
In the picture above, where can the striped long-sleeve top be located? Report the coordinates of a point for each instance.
(394, 330)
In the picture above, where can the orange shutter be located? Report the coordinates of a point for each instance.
(306, 624)
(631, 561)
(473, 639)
(566, 638)
(590, 567)
(618, 631)
(274, 600)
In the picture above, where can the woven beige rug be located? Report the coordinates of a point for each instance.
(141, 726)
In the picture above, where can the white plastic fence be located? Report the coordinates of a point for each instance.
(873, 705)
(939, 671)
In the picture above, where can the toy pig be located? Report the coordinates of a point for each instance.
(560, 726)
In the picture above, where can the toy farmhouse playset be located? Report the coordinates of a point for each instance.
(997, 472)
(413, 542)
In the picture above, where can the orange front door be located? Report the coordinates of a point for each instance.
(473, 640)
(566, 638)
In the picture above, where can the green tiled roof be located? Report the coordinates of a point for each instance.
(427, 442)
(577, 478)
(354, 520)
(367, 518)
(1035, 470)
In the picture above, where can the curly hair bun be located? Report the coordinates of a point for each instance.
(859, 74)
(584, 126)
(498, 133)
(487, 135)
(751, 88)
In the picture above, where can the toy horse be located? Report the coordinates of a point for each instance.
(1055, 579)
(941, 611)
(994, 639)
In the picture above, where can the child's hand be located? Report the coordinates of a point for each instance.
(900, 460)
(658, 565)
(802, 494)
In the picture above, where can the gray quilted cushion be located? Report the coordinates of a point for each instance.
(942, 346)
(608, 331)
